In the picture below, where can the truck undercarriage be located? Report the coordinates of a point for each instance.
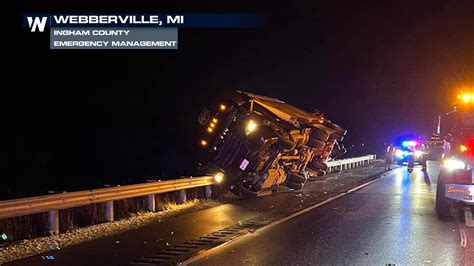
(261, 143)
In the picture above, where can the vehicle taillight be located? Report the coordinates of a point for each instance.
(466, 146)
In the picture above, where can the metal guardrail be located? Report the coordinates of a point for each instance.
(343, 164)
(53, 203)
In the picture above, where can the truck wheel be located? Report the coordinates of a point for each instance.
(317, 164)
(317, 144)
(443, 206)
(295, 186)
(319, 134)
(296, 178)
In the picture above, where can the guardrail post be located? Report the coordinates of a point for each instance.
(53, 222)
(182, 196)
(208, 192)
(109, 211)
(151, 202)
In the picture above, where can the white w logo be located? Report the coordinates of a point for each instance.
(38, 22)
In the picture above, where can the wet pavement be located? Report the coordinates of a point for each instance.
(391, 221)
(130, 246)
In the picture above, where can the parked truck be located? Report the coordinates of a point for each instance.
(255, 143)
(455, 187)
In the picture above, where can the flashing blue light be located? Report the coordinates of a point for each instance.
(409, 143)
(401, 154)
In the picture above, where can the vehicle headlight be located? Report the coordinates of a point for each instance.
(219, 177)
(399, 153)
(453, 164)
(418, 153)
(251, 126)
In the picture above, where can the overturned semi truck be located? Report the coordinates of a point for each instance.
(257, 143)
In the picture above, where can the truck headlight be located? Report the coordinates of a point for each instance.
(251, 126)
(219, 177)
(453, 164)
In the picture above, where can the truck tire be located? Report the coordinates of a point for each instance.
(443, 206)
(319, 134)
(314, 143)
(317, 164)
(294, 186)
(297, 178)
(284, 141)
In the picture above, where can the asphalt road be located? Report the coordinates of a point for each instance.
(132, 245)
(391, 221)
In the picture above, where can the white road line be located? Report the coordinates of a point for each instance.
(208, 252)
(463, 237)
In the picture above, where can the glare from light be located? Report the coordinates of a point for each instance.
(212, 125)
(203, 142)
(410, 143)
(209, 129)
(453, 164)
(418, 153)
(399, 153)
(222, 107)
(251, 126)
(214, 120)
(463, 148)
(219, 177)
(466, 97)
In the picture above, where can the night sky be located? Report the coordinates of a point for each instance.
(77, 119)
